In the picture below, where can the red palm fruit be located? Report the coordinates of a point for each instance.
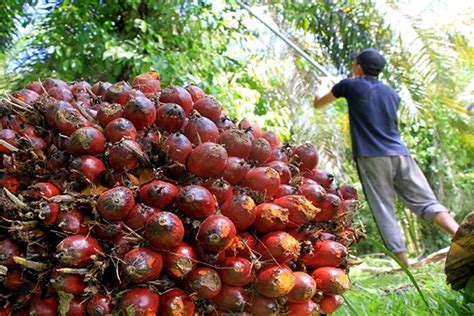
(264, 306)
(216, 233)
(236, 271)
(261, 150)
(313, 192)
(109, 112)
(304, 289)
(170, 117)
(8, 249)
(148, 83)
(251, 126)
(142, 264)
(330, 303)
(348, 192)
(205, 282)
(138, 216)
(224, 123)
(49, 212)
(77, 251)
(50, 83)
(278, 246)
(195, 92)
(278, 153)
(285, 189)
(307, 155)
(179, 96)
(235, 170)
(35, 86)
(200, 130)
(178, 148)
(282, 169)
(11, 183)
(208, 107)
(208, 256)
(241, 210)
(43, 189)
(332, 281)
(326, 253)
(100, 305)
(77, 307)
(271, 138)
(221, 189)
(80, 87)
(176, 302)
(26, 95)
(109, 231)
(139, 301)
(231, 299)
(270, 217)
(118, 128)
(116, 203)
(300, 209)
(9, 136)
(207, 159)
(13, 281)
(263, 179)
(158, 193)
(122, 245)
(321, 176)
(68, 282)
(164, 230)
(141, 112)
(86, 141)
(61, 94)
(37, 143)
(275, 281)
(44, 306)
(119, 92)
(125, 155)
(8, 311)
(52, 109)
(89, 166)
(329, 208)
(71, 222)
(236, 142)
(196, 201)
(100, 88)
(245, 244)
(307, 308)
(181, 261)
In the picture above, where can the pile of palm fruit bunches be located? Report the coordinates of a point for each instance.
(121, 199)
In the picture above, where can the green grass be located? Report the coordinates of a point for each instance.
(392, 293)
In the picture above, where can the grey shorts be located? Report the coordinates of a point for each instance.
(384, 177)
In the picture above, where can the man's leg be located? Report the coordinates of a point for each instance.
(376, 174)
(403, 257)
(415, 192)
(446, 222)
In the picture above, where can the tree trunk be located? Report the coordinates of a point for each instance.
(460, 261)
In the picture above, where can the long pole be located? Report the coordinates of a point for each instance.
(286, 40)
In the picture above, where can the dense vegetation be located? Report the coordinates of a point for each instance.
(218, 47)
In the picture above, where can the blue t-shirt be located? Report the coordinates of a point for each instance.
(373, 109)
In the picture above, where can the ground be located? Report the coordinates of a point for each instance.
(392, 293)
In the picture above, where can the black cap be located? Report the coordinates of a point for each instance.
(371, 61)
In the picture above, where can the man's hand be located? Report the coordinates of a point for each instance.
(323, 94)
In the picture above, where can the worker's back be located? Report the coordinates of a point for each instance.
(373, 109)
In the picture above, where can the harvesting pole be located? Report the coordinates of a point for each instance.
(301, 52)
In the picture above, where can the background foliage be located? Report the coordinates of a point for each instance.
(219, 47)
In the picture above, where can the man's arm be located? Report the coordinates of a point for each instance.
(324, 95)
(321, 101)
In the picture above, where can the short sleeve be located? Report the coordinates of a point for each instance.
(340, 89)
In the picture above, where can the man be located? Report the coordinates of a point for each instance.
(384, 163)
